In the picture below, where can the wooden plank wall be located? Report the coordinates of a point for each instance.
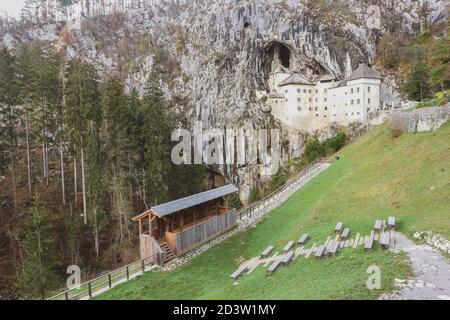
(149, 247)
(205, 231)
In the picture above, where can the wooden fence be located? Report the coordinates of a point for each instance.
(203, 232)
(105, 282)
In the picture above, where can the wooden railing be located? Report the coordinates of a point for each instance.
(105, 282)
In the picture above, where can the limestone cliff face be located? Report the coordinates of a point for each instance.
(214, 54)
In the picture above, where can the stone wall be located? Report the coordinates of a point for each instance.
(424, 119)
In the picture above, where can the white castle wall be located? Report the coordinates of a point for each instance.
(314, 107)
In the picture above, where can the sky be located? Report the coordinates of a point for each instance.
(11, 7)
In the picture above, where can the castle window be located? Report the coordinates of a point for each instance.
(299, 109)
(286, 99)
(326, 90)
(346, 114)
(324, 116)
(298, 99)
(351, 90)
(316, 99)
(357, 89)
(310, 99)
(358, 101)
(357, 113)
(352, 113)
(304, 90)
(298, 90)
(326, 108)
(325, 99)
(285, 91)
(317, 114)
(368, 89)
(317, 91)
(351, 102)
(368, 109)
(310, 109)
(316, 108)
(334, 115)
(368, 100)
(309, 90)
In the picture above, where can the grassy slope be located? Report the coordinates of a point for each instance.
(377, 176)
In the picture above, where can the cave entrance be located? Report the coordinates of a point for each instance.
(284, 55)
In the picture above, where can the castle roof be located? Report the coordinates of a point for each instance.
(276, 95)
(327, 77)
(296, 78)
(363, 71)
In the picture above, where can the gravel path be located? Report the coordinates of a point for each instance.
(432, 273)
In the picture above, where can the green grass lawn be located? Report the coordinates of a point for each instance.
(377, 176)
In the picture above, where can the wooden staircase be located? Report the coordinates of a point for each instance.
(168, 253)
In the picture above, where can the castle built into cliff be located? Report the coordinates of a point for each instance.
(311, 105)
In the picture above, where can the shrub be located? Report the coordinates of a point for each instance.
(255, 195)
(278, 180)
(233, 201)
(397, 127)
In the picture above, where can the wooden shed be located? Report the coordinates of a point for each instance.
(174, 228)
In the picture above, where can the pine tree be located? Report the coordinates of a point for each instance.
(83, 116)
(440, 72)
(118, 120)
(39, 267)
(83, 122)
(9, 112)
(156, 138)
(416, 85)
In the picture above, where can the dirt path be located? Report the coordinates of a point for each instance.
(432, 273)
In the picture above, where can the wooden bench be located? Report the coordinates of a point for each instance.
(345, 234)
(338, 228)
(274, 266)
(241, 270)
(287, 258)
(288, 247)
(303, 239)
(368, 241)
(385, 240)
(391, 223)
(378, 226)
(333, 249)
(320, 251)
(266, 252)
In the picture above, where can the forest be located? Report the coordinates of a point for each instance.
(79, 156)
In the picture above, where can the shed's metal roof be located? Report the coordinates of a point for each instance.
(190, 201)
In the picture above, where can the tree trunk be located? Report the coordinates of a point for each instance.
(13, 160)
(61, 156)
(28, 154)
(75, 178)
(83, 181)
